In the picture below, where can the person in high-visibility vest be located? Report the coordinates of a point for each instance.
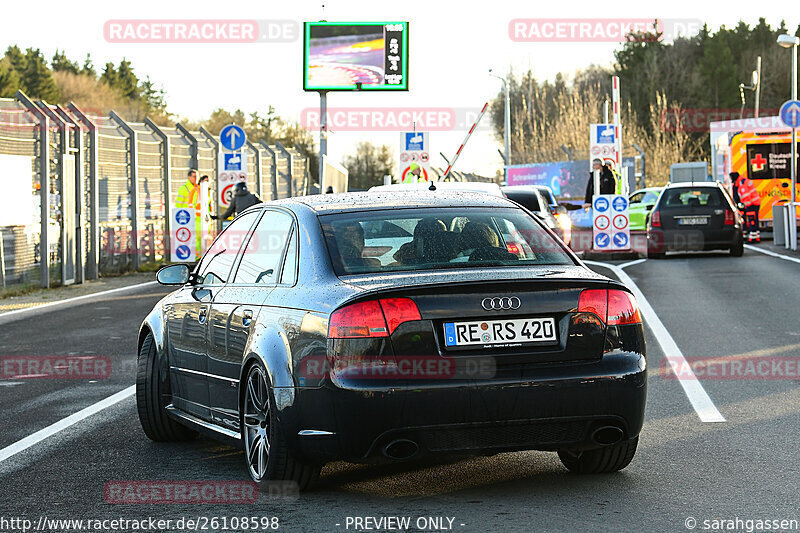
(189, 197)
(745, 192)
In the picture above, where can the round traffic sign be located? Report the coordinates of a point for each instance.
(232, 137)
(602, 240)
(183, 252)
(620, 203)
(424, 157)
(620, 221)
(601, 222)
(601, 204)
(183, 217)
(404, 156)
(790, 113)
(226, 195)
(620, 240)
(183, 234)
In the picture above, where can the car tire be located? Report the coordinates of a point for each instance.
(601, 460)
(737, 250)
(261, 422)
(152, 395)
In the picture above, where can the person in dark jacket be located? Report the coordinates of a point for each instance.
(608, 184)
(242, 199)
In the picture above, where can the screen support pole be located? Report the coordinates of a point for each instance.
(323, 130)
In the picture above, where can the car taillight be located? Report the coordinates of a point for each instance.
(399, 310)
(622, 308)
(374, 318)
(594, 301)
(729, 218)
(512, 248)
(612, 306)
(655, 219)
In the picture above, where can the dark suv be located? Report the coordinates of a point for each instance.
(694, 216)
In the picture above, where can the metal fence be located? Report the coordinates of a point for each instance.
(101, 187)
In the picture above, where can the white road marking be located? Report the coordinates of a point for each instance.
(74, 299)
(64, 423)
(694, 390)
(771, 253)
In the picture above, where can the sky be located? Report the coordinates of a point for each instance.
(452, 45)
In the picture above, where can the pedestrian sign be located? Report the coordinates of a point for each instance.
(232, 137)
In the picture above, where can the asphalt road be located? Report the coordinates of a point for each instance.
(714, 307)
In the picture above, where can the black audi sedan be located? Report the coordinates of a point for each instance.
(372, 327)
(694, 217)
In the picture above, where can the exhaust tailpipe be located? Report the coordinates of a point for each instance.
(401, 449)
(607, 435)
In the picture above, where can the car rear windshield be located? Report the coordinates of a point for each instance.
(692, 197)
(445, 238)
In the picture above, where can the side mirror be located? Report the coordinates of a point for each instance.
(177, 274)
(560, 210)
(650, 207)
(740, 206)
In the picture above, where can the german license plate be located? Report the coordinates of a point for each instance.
(692, 221)
(513, 332)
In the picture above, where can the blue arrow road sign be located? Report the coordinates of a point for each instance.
(790, 113)
(602, 240)
(182, 217)
(620, 203)
(232, 137)
(183, 252)
(601, 204)
(620, 240)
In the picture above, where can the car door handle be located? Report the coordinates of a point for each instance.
(247, 317)
(202, 316)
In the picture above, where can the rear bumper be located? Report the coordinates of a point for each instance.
(691, 239)
(552, 407)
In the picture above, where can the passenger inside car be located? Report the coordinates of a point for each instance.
(431, 243)
(350, 241)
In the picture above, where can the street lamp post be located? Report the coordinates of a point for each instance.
(507, 125)
(790, 41)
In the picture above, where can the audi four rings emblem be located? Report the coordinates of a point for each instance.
(501, 303)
